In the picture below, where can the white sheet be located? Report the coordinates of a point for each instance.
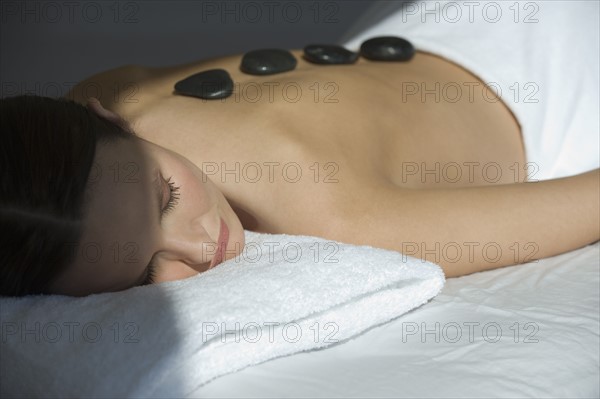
(540, 57)
(559, 296)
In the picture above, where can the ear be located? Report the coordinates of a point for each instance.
(94, 105)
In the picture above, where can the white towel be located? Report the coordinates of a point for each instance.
(284, 294)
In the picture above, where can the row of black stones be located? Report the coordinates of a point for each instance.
(216, 83)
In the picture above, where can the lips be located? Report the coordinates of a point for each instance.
(221, 245)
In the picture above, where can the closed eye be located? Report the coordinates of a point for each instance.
(151, 269)
(173, 197)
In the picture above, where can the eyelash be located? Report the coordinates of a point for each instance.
(173, 200)
(173, 197)
(151, 275)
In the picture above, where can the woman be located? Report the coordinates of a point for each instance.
(131, 183)
(135, 184)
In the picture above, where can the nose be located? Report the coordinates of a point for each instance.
(194, 242)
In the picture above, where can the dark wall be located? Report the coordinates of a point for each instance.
(47, 46)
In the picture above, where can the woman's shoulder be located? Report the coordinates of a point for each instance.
(111, 87)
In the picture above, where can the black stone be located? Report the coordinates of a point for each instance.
(329, 54)
(211, 84)
(387, 48)
(268, 62)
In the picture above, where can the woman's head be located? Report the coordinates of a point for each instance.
(80, 206)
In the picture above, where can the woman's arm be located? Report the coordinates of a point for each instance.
(466, 230)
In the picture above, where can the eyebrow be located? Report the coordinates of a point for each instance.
(158, 194)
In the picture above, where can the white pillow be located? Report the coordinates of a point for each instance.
(295, 292)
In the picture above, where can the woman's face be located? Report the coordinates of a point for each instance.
(131, 183)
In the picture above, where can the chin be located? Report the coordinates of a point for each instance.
(237, 238)
(239, 242)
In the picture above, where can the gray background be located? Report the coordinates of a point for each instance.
(48, 46)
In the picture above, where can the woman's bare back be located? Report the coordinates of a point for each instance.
(282, 144)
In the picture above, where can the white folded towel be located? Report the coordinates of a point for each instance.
(284, 294)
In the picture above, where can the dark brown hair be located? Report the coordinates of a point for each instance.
(47, 147)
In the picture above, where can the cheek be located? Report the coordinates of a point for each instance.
(201, 194)
(197, 191)
(175, 271)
